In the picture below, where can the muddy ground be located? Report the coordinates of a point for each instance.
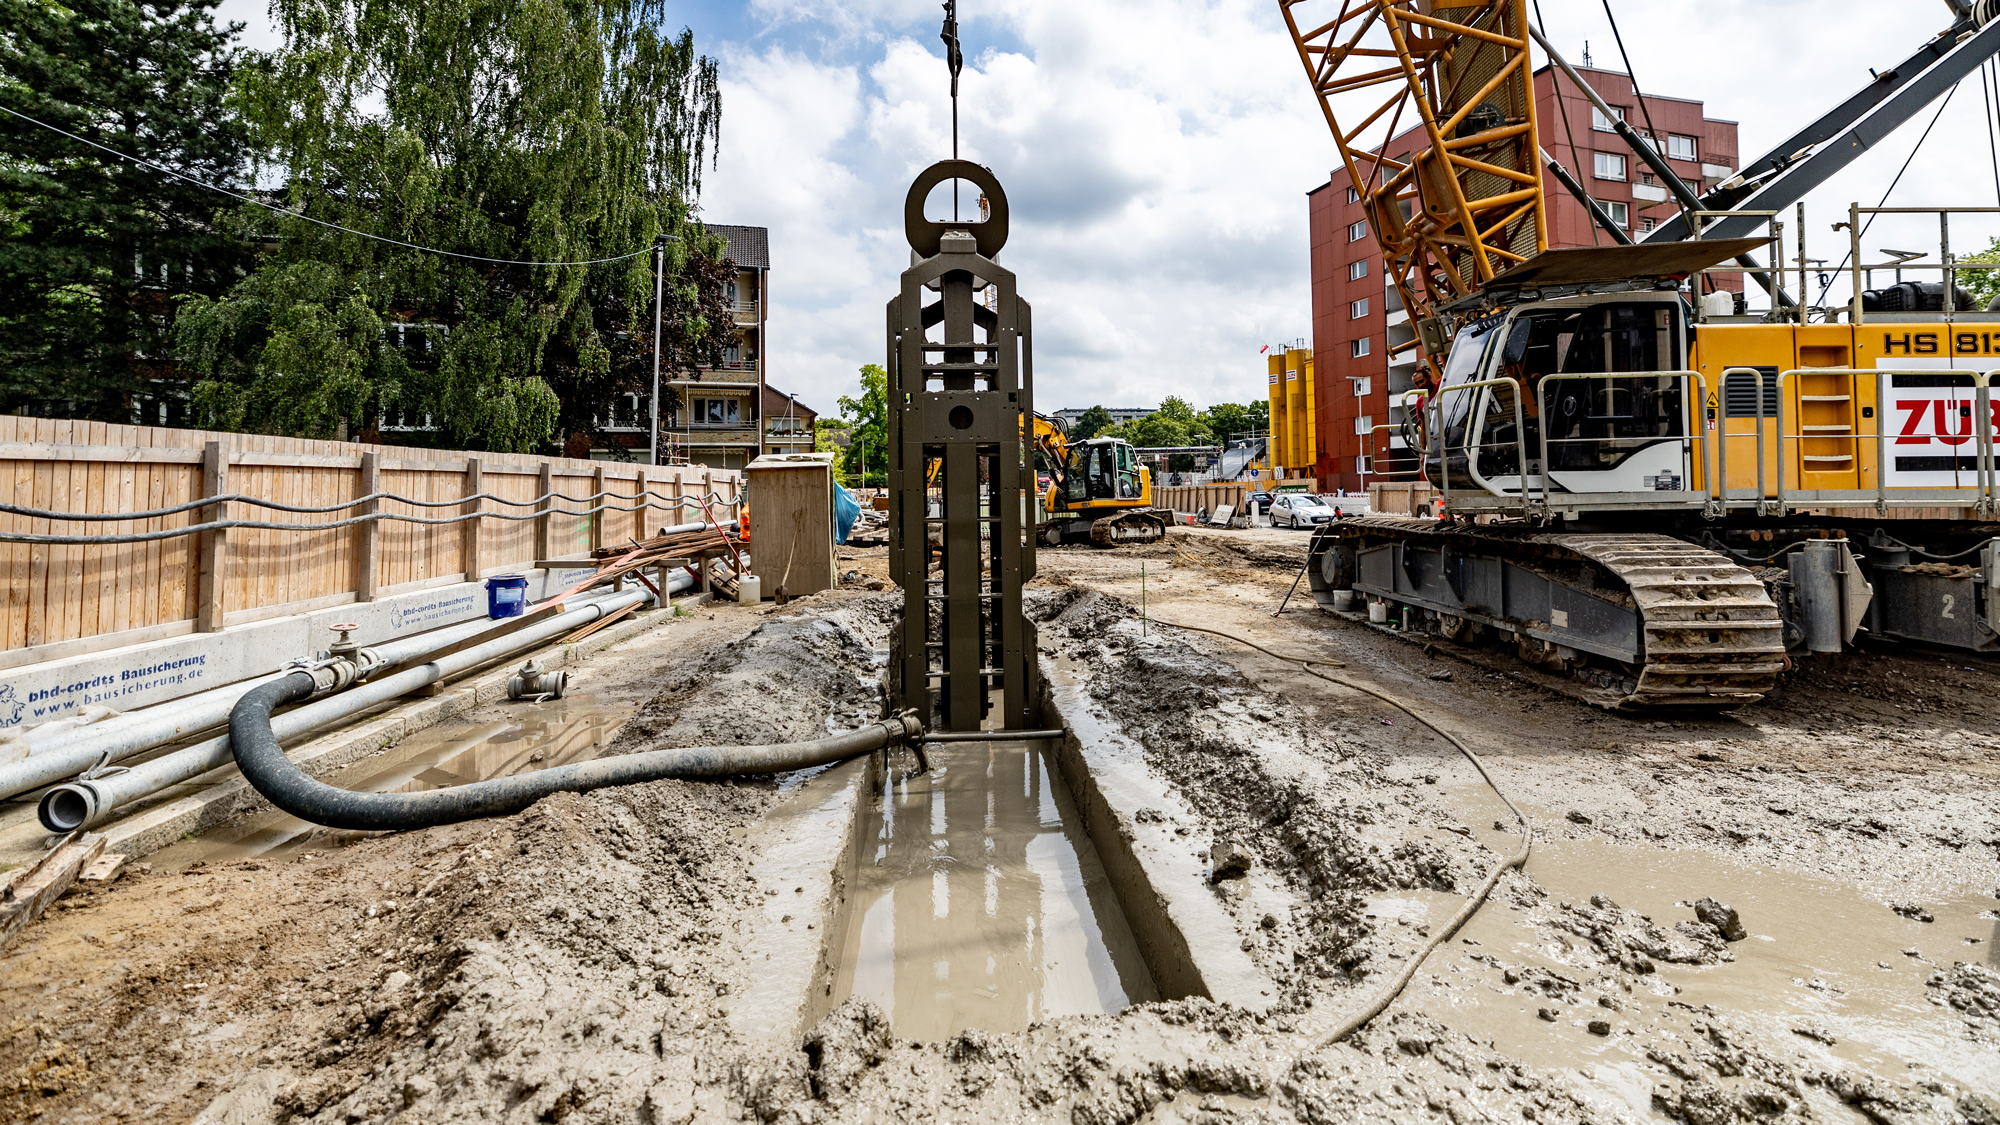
(577, 962)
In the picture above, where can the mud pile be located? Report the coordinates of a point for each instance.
(1314, 816)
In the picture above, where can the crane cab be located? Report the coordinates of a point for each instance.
(1101, 473)
(1579, 395)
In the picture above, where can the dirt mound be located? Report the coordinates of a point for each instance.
(793, 678)
(1973, 991)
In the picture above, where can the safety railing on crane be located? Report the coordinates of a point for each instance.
(1953, 416)
(1693, 442)
(1861, 274)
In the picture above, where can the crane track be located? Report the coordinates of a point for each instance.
(1705, 631)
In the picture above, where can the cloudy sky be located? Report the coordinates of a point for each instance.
(1157, 153)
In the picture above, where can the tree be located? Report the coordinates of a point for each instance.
(92, 247)
(831, 435)
(1984, 285)
(1176, 409)
(556, 134)
(1090, 424)
(867, 456)
(1228, 421)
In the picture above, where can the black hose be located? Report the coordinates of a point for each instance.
(282, 783)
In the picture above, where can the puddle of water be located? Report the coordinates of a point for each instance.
(979, 904)
(533, 736)
(1820, 955)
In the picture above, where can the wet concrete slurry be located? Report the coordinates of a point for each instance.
(979, 904)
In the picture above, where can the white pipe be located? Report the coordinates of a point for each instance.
(83, 803)
(69, 752)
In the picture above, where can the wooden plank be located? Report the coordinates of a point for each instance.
(100, 581)
(181, 555)
(367, 579)
(76, 498)
(69, 451)
(469, 531)
(35, 887)
(211, 595)
(153, 607)
(126, 560)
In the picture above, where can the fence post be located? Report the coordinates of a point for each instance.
(548, 484)
(708, 496)
(473, 487)
(644, 508)
(597, 501)
(368, 580)
(211, 595)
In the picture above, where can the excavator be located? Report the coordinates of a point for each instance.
(1098, 493)
(1657, 500)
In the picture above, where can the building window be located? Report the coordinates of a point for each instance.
(1357, 309)
(1645, 224)
(1679, 147)
(1605, 124)
(1361, 465)
(1358, 269)
(1621, 213)
(1363, 384)
(1353, 195)
(1357, 231)
(1359, 348)
(715, 411)
(1364, 423)
(1607, 165)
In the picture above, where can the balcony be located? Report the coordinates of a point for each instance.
(728, 374)
(744, 313)
(1651, 193)
(728, 434)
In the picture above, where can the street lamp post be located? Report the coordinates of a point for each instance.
(659, 288)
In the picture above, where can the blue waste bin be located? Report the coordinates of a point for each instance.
(506, 595)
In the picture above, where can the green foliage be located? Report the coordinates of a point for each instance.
(867, 457)
(1228, 421)
(542, 130)
(81, 334)
(831, 435)
(1984, 285)
(1091, 423)
(1176, 409)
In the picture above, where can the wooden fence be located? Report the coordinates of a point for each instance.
(67, 599)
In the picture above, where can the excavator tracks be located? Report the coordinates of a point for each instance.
(1132, 526)
(1626, 621)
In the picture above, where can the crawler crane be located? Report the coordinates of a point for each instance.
(1657, 500)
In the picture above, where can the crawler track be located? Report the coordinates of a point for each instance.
(1134, 525)
(1636, 621)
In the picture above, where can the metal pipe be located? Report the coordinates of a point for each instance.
(66, 753)
(81, 803)
(284, 784)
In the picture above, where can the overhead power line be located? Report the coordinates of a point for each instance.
(308, 218)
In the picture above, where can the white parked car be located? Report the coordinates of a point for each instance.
(1300, 509)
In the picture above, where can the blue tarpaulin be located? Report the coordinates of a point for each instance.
(846, 510)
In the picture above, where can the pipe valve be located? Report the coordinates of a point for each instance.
(340, 666)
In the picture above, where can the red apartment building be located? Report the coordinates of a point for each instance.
(1363, 343)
